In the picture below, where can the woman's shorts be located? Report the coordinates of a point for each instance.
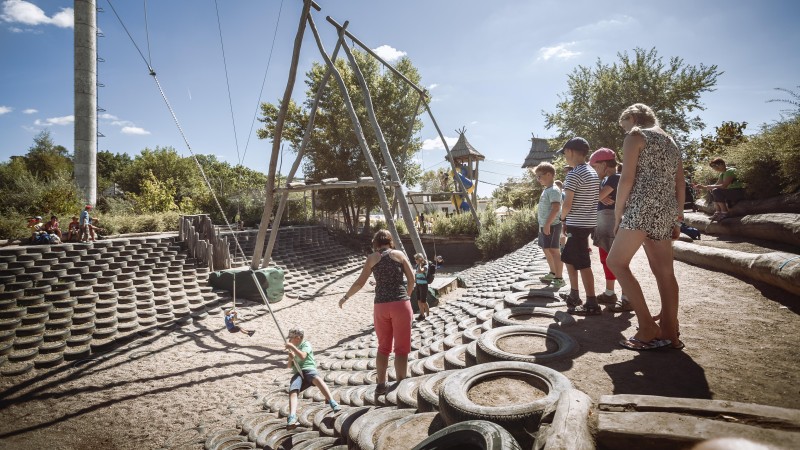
(393, 325)
(422, 292)
(576, 250)
(727, 195)
(550, 240)
(301, 383)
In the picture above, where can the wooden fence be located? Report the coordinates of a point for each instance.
(204, 242)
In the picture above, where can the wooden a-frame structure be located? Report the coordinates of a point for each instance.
(261, 259)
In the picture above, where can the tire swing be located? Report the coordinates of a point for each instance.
(512, 394)
(472, 434)
(524, 343)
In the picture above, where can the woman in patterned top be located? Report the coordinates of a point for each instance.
(648, 212)
(392, 312)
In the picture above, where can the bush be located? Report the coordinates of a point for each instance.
(456, 224)
(13, 226)
(497, 239)
(140, 223)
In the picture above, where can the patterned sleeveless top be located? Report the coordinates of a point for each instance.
(389, 284)
(652, 206)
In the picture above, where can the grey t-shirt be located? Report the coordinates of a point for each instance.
(550, 195)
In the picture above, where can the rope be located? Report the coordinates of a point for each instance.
(227, 83)
(147, 35)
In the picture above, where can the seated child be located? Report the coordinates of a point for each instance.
(231, 317)
(74, 230)
(53, 227)
(301, 355)
(37, 228)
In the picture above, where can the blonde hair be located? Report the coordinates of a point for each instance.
(544, 167)
(418, 256)
(642, 115)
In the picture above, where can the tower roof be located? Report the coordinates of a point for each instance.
(540, 152)
(463, 150)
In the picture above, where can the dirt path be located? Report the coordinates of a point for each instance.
(740, 346)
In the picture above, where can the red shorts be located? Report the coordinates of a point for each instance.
(393, 323)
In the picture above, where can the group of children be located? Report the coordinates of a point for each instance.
(568, 217)
(81, 229)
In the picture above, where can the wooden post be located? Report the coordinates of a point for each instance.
(296, 164)
(359, 135)
(387, 157)
(276, 138)
(475, 183)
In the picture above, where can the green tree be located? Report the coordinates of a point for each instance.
(155, 195)
(518, 193)
(110, 166)
(333, 150)
(597, 95)
(166, 165)
(435, 181)
(47, 160)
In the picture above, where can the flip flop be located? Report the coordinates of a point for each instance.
(633, 343)
(586, 310)
(680, 346)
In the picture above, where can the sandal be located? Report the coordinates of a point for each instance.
(380, 389)
(634, 343)
(622, 305)
(586, 310)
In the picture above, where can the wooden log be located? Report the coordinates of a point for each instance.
(568, 427)
(750, 413)
(776, 268)
(667, 431)
(777, 227)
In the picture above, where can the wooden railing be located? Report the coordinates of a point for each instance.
(204, 242)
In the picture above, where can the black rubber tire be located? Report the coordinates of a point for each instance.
(472, 434)
(371, 432)
(343, 422)
(407, 392)
(522, 419)
(487, 350)
(397, 432)
(320, 443)
(434, 364)
(362, 421)
(216, 437)
(453, 358)
(533, 297)
(472, 333)
(505, 316)
(427, 398)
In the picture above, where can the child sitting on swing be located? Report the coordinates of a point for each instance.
(302, 356)
(231, 317)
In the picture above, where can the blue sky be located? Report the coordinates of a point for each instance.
(491, 67)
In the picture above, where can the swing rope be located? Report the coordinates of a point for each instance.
(202, 173)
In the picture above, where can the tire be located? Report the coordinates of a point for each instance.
(476, 434)
(407, 392)
(488, 351)
(362, 421)
(371, 432)
(434, 364)
(341, 425)
(320, 443)
(506, 316)
(520, 419)
(533, 297)
(472, 333)
(455, 358)
(407, 431)
(470, 355)
(427, 397)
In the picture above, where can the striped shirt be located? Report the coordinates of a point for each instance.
(583, 182)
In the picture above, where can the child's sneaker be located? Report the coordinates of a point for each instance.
(291, 421)
(558, 283)
(334, 406)
(547, 278)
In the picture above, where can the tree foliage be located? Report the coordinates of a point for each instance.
(597, 95)
(333, 150)
(46, 160)
(435, 181)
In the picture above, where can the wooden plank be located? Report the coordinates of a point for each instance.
(750, 413)
(666, 431)
(570, 428)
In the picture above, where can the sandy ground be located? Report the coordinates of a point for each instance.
(173, 387)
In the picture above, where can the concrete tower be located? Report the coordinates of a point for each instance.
(86, 98)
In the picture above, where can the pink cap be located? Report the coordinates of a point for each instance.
(602, 154)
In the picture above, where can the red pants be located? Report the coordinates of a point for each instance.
(603, 255)
(393, 323)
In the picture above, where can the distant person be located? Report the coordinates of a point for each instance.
(74, 230)
(392, 313)
(728, 188)
(550, 224)
(579, 214)
(52, 227)
(604, 162)
(649, 210)
(421, 286)
(87, 233)
(232, 323)
(37, 229)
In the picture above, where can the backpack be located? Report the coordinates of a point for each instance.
(431, 271)
(692, 232)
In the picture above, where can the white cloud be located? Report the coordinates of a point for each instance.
(559, 51)
(65, 120)
(107, 116)
(433, 86)
(474, 122)
(134, 130)
(5, 110)
(607, 25)
(30, 111)
(436, 143)
(20, 11)
(388, 53)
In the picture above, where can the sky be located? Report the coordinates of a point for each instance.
(491, 67)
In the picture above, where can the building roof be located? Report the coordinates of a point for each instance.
(540, 152)
(463, 150)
